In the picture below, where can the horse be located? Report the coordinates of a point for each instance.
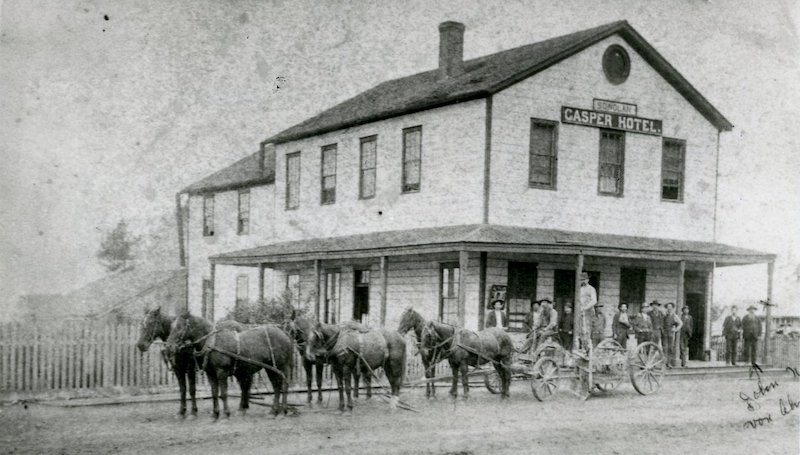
(409, 320)
(464, 348)
(157, 325)
(226, 351)
(352, 349)
(299, 328)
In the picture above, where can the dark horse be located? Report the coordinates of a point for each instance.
(158, 325)
(351, 349)
(227, 352)
(464, 348)
(299, 328)
(409, 320)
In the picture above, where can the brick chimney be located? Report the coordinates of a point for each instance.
(451, 49)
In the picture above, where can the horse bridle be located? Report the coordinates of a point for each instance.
(430, 331)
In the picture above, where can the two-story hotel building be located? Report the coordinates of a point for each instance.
(585, 152)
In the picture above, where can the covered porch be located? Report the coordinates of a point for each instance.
(447, 273)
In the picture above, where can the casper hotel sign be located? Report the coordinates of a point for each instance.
(611, 120)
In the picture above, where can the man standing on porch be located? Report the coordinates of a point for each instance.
(730, 330)
(658, 323)
(672, 324)
(686, 334)
(751, 330)
(587, 303)
(497, 317)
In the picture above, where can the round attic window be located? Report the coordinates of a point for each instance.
(616, 64)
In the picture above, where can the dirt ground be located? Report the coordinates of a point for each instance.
(688, 416)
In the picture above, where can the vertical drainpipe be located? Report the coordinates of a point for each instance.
(183, 247)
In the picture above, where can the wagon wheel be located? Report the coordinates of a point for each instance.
(610, 364)
(492, 382)
(647, 368)
(545, 379)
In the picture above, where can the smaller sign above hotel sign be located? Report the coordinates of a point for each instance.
(578, 116)
(615, 107)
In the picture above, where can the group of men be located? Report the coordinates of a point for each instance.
(659, 327)
(749, 328)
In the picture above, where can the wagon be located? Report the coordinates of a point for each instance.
(600, 370)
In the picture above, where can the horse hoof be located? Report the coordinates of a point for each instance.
(215, 415)
(193, 416)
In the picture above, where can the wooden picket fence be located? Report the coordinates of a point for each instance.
(85, 355)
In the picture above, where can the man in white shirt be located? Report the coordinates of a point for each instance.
(587, 303)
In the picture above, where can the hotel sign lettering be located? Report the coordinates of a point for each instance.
(578, 116)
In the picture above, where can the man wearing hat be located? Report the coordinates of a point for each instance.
(497, 317)
(686, 333)
(588, 300)
(672, 325)
(657, 317)
(548, 322)
(730, 330)
(751, 330)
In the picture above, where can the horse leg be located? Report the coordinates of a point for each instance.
(368, 379)
(287, 373)
(338, 371)
(213, 380)
(222, 378)
(454, 388)
(500, 368)
(465, 379)
(307, 365)
(182, 385)
(430, 389)
(318, 371)
(192, 375)
(245, 383)
(348, 371)
(277, 386)
(356, 377)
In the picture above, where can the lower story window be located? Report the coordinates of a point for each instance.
(448, 293)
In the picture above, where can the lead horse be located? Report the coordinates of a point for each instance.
(226, 352)
(352, 349)
(464, 348)
(411, 320)
(157, 325)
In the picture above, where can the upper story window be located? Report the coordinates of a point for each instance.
(368, 163)
(208, 215)
(543, 154)
(293, 180)
(412, 159)
(243, 219)
(673, 159)
(328, 175)
(612, 163)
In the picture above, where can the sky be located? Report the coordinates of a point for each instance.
(108, 108)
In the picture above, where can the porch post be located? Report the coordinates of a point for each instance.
(260, 282)
(317, 279)
(384, 269)
(482, 287)
(679, 299)
(707, 317)
(576, 303)
(463, 264)
(768, 323)
(211, 297)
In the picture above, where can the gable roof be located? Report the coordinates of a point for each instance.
(485, 76)
(249, 171)
(492, 237)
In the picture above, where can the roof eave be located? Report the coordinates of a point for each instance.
(205, 189)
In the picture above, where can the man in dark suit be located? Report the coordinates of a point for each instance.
(686, 334)
(657, 317)
(566, 326)
(497, 317)
(730, 330)
(751, 330)
(621, 325)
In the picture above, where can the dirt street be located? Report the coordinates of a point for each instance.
(688, 416)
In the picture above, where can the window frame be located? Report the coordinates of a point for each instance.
(326, 299)
(323, 150)
(451, 287)
(208, 215)
(362, 170)
(289, 158)
(243, 222)
(553, 156)
(621, 164)
(403, 185)
(682, 143)
(294, 300)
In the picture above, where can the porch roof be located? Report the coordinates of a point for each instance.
(492, 238)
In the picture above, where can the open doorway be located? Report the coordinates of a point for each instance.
(361, 296)
(695, 284)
